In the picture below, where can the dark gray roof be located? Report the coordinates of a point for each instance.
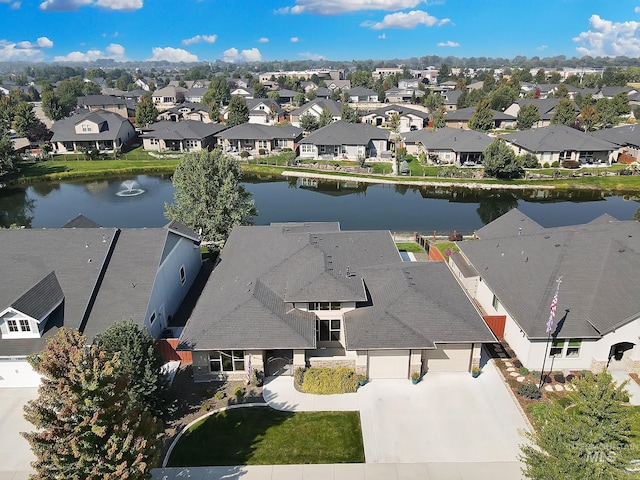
(80, 221)
(41, 299)
(414, 305)
(110, 125)
(182, 230)
(448, 138)
(599, 264)
(248, 300)
(465, 114)
(514, 222)
(361, 92)
(105, 100)
(343, 133)
(255, 131)
(183, 130)
(627, 135)
(331, 105)
(558, 138)
(252, 103)
(465, 269)
(610, 92)
(451, 97)
(546, 106)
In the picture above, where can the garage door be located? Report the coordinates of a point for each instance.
(449, 358)
(17, 373)
(389, 364)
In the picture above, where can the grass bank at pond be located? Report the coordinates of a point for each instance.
(263, 436)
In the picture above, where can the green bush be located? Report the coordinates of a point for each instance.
(257, 378)
(219, 395)
(524, 371)
(546, 165)
(206, 405)
(555, 164)
(536, 374)
(261, 151)
(298, 376)
(244, 154)
(328, 381)
(238, 392)
(529, 390)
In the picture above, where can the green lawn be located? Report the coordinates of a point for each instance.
(443, 246)
(263, 436)
(409, 247)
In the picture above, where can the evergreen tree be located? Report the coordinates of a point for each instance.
(591, 439)
(85, 428)
(146, 111)
(348, 114)
(8, 156)
(565, 113)
(309, 122)
(208, 195)
(528, 116)
(326, 117)
(24, 119)
(440, 118)
(51, 106)
(238, 111)
(482, 118)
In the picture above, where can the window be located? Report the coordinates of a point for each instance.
(86, 128)
(13, 325)
(324, 306)
(25, 326)
(226, 361)
(152, 318)
(567, 348)
(263, 143)
(183, 275)
(495, 303)
(328, 331)
(306, 148)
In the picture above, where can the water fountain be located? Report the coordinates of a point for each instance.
(130, 188)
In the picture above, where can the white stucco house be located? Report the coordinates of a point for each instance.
(512, 272)
(342, 140)
(308, 294)
(88, 278)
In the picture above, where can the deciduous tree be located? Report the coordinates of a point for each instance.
(209, 197)
(500, 161)
(309, 122)
(146, 111)
(326, 117)
(238, 111)
(348, 114)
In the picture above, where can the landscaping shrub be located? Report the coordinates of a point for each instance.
(219, 395)
(524, 371)
(257, 378)
(261, 151)
(206, 405)
(238, 392)
(546, 165)
(555, 164)
(570, 164)
(529, 390)
(327, 381)
(536, 374)
(244, 154)
(298, 376)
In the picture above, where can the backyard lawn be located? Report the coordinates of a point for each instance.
(409, 247)
(263, 436)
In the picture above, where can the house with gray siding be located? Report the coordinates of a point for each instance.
(342, 140)
(182, 136)
(448, 146)
(293, 295)
(87, 278)
(516, 267)
(253, 138)
(410, 118)
(461, 117)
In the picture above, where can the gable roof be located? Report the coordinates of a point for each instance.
(598, 262)
(448, 138)
(362, 92)
(183, 130)
(627, 135)
(255, 131)
(64, 129)
(558, 138)
(41, 299)
(331, 105)
(80, 221)
(546, 106)
(343, 133)
(402, 111)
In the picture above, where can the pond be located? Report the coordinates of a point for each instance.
(139, 202)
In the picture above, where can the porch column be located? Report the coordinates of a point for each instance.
(415, 362)
(299, 359)
(475, 355)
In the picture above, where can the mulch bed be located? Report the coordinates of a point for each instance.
(192, 400)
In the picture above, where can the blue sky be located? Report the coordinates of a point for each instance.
(246, 30)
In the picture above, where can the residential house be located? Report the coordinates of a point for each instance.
(399, 95)
(109, 103)
(183, 136)
(342, 140)
(168, 97)
(98, 130)
(361, 94)
(295, 295)
(409, 83)
(559, 143)
(323, 93)
(87, 279)
(342, 85)
(194, 94)
(610, 92)
(460, 118)
(286, 96)
(256, 138)
(448, 146)
(244, 92)
(451, 98)
(187, 111)
(410, 118)
(264, 111)
(316, 107)
(546, 109)
(517, 267)
(627, 138)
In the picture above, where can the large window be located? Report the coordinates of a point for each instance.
(25, 326)
(226, 361)
(566, 348)
(13, 325)
(306, 148)
(328, 330)
(495, 303)
(324, 306)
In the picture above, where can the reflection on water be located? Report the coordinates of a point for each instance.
(356, 205)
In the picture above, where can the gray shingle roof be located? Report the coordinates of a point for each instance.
(448, 138)
(402, 110)
(183, 130)
(80, 221)
(546, 106)
(41, 299)
(598, 261)
(628, 135)
(343, 133)
(331, 105)
(558, 138)
(253, 131)
(465, 114)
(110, 123)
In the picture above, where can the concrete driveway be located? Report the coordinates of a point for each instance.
(15, 453)
(447, 417)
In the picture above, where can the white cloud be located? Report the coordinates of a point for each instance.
(448, 43)
(15, 5)
(312, 56)
(608, 39)
(334, 7)
(65, 5)
(24, 50)
(383, 36)
(637, 9)
(200, 38)
(233, 55)
(263, 40)
(113, 51)
(542, 47)
(170, 54)
(294, 40)
(405, 20)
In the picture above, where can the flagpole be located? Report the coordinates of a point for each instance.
(552, 315)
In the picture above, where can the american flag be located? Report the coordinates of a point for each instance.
(552, 313)
(249, 370)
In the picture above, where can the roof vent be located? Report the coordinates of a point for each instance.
(557, 245)
(547, 237)
(621, 250)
